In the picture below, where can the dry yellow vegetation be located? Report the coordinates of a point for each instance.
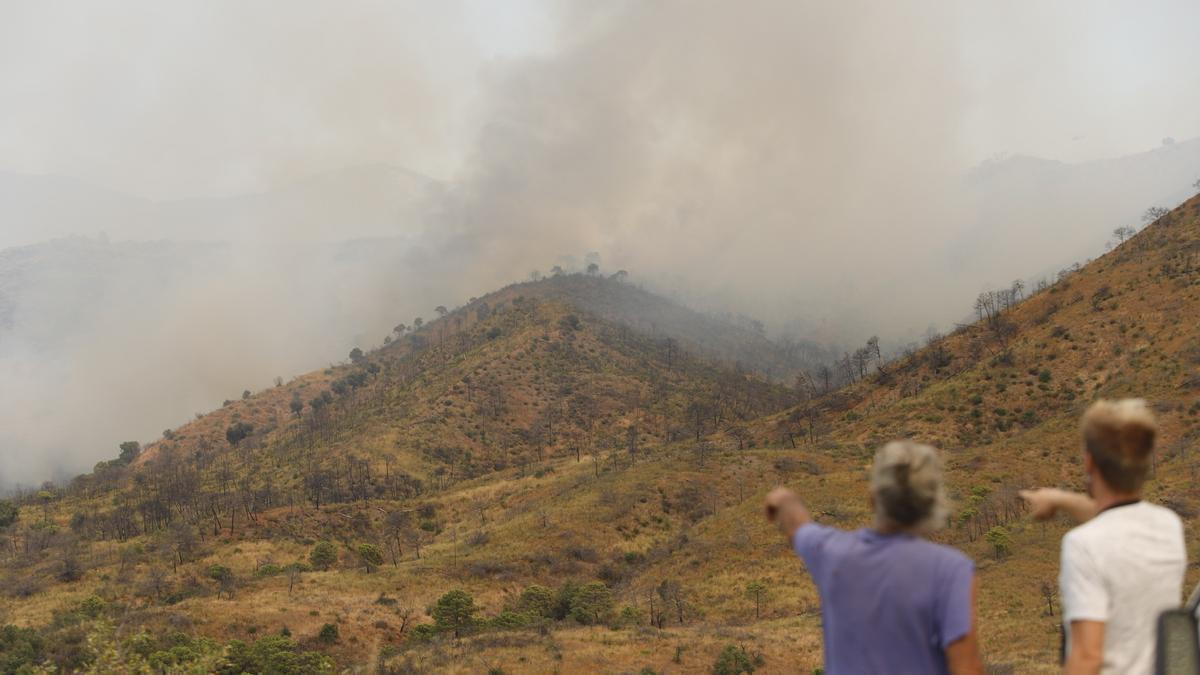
(526, 439)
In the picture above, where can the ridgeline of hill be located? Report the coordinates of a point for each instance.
(566, 475)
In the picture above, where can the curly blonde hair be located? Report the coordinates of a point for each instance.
(906, 481)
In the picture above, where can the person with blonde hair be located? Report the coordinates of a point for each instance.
(891, 600)
(1125, 563)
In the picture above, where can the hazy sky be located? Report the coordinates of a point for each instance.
(171, 99)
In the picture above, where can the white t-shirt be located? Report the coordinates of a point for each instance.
(1124, 567)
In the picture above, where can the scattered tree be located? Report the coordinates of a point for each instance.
(8, 513)
(1049, 592)
(537, 601)
(757, 591)
(237, 432)
(1000, 540)
(455, 611)
(592, 603)
(129, 452)
(733, 660)
(1154, 213)
(370, 555)
(323, 555)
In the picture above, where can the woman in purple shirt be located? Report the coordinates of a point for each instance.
(891, 601)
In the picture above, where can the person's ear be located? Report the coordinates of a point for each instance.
(1089, 464)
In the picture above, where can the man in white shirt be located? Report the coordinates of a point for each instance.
(1125, 563)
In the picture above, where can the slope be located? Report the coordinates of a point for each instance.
(459, 433)
(523, 442)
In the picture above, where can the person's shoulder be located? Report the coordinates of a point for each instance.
(816, 530)
(1083, 534)
(1160, 513)
(813, 532)
(945, 555)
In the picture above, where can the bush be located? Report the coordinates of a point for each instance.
(455, 611)
(328, 633)
(733, 660)
(562, 604)
(275, 654)
(592, 603)
(268, 570)
(323, 555)
(630, 616)
(8, 513)
(423, 632)
(219, 572)
(510, 619)
(20, 648)
(92, 606)
(537, 600)
(1000, 540)
(371, 556)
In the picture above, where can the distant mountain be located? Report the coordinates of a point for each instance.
(353, 203)
(38, 208)
(356, 202)
(95, 331)
(1047, 214)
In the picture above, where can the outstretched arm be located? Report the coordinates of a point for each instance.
(1045, 502)
(785, 509)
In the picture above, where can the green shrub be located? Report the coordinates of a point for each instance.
(275, 654)
(328, 633)
(509, 619)
(371, 556)
(423, 632)
(93, 606)
(733, 660)
(537, 601)
(455, 612)
(8, 513)
(219, 572)
(20, 649)
(323, 555)
(269, 570)
(592, 603)
(630, 616)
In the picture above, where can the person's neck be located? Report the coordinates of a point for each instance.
(1107, 497)
(887, 527)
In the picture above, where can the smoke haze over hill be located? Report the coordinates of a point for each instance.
(808, 164)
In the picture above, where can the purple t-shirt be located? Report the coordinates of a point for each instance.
(890, 603)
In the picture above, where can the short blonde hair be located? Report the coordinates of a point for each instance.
(906, 480)
(1119, 435)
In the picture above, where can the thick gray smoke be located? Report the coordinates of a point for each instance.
(804, 163)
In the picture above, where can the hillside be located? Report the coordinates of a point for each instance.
(740, 343)
(472, 422)
(529, 441)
